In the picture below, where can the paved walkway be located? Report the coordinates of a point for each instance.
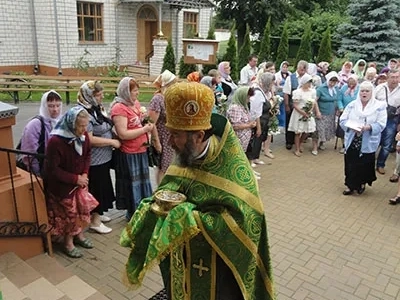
(324, 245)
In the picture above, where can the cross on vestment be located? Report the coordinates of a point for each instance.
(200, 267)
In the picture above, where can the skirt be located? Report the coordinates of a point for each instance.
(140, 178)
(69, 216)
(326, 128)
(101, 187)
(358, 169)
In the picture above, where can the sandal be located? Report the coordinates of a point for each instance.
(86, 243)
(395, 200)
(348, 192)
(298, 154)
(361, 189)
(394, 178)
(73, 253)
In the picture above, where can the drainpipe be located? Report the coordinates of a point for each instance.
(177, 38)
(160, 33)
(57, 37)
(34, 39)
(117, 33)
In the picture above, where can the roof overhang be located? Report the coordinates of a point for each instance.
(178, 3)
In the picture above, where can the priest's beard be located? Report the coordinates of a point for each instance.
(187, 156)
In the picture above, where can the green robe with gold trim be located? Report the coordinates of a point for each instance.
(222, 207)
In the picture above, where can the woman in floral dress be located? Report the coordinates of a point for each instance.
(302, 121)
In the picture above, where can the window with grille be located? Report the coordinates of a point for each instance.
(90, 22)
(190, 24)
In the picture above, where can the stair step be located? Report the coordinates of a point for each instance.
(41, 278)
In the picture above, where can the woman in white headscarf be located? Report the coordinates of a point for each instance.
(302, 121)
(362, 120)
(49, 113)
(327, 97)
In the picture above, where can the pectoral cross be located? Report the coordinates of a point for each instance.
(200, 267)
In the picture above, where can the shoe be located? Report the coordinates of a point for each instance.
(289, 146)
(253, 165)
(257, 177)
(256, 173)
(104, 218)
(269, 150)
(73, 253)
(297, 153)
(394, 200)
(348, 192)
(380, 170)
(322, 147)
(361, 189)
(342, 151)
(301, 149)
(269, 155)
(86, 243)
(259, 162)
(394, 178)
(102, 229)
(314, 152)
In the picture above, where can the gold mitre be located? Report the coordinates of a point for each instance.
(189, 106)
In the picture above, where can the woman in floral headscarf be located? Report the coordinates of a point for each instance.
(345, 73)
(66, 179)
(90, 97)
(128, 117)
(227, 83)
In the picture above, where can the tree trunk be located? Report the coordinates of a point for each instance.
(241, 32)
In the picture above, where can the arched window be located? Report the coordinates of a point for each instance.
(147, 13)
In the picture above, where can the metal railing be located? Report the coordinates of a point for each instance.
(18, 228)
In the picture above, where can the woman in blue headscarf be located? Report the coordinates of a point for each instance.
(66, 179)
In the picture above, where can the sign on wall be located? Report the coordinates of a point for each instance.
(197, 51)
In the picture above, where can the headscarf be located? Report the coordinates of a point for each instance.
(304, 79)
(349, 90)
(221, 70)
(123, 92)
(359, 73)
(65, 128)
(194, 76)
(372, 106)
(44, 110)
(207, 80)
(312, 69)
(88, 101)
(329, 76)
(240, 97)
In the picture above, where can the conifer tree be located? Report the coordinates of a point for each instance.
(265, 47)
(245, 50)
(169, 59)
(372, 32)
(283, 48)
(304, 52)
(231, 55)
(185, 69)
(325, 49)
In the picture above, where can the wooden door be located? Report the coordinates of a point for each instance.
(150, 33)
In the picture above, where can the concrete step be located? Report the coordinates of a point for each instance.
(41, 278)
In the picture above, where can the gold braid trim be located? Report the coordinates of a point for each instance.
(220, 183)
(248, 243)
(187, 235)
(222, 255)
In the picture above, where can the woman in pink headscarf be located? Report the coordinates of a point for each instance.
(227, 83)
(345, 73)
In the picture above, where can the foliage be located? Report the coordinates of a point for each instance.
(211, 32)
(265, 47)
(114, 69)
(82, 63)
(304, 52)
(169, 58)
(325, 49)
(244, 51)
(185, 69)
(231, 55)
(283, 48)
(371, 32)
(337, 63)
(206, 68)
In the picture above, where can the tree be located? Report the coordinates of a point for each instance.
(304, 52)
(325, 49)
(185, 69)
(265, 47)
(169, 59)
(245, 51)
(231, 55)
(283, 48)
(371, 32)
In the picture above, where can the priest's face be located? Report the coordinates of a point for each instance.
(185, 144)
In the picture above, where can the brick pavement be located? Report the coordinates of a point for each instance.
(324, 245)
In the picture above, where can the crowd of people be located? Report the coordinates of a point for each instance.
(201, 128)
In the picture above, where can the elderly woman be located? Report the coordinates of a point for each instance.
(37, 132)
(348, 93)
(327, 96)
(157, 115)
(90, 97)
(302, 121)
(66, 179)
(362, 120)
(128, 117)
(227, 83)
(239, 115)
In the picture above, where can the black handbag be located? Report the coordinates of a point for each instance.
(153, 156)
(392, 111)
